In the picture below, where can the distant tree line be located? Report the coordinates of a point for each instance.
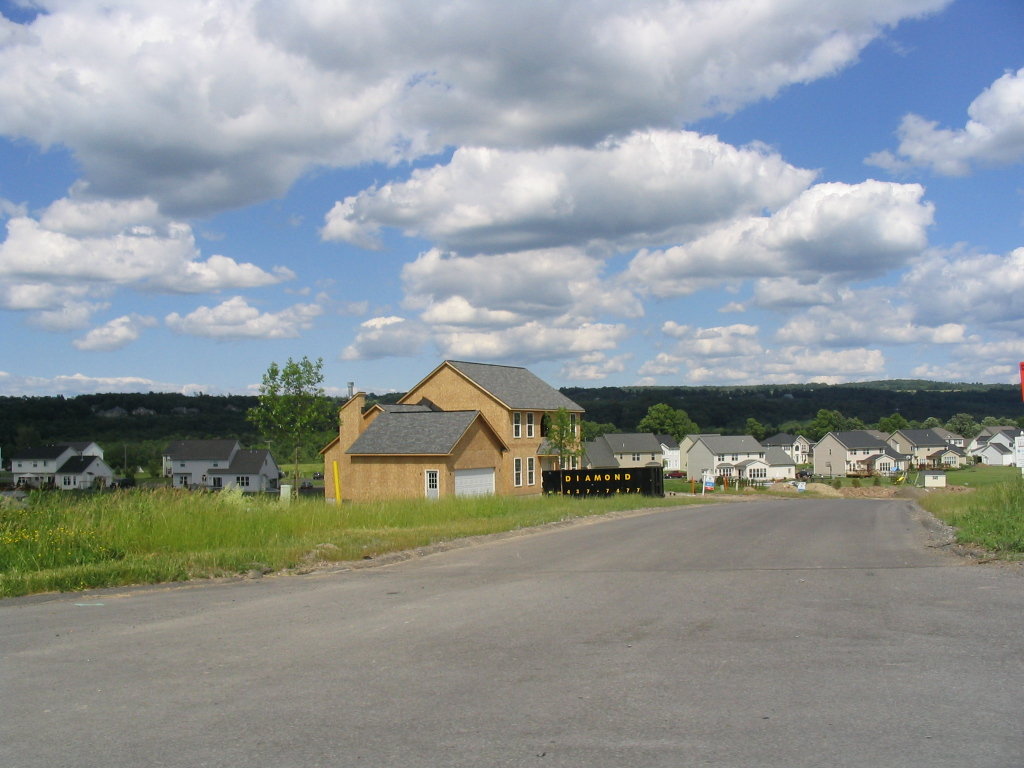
(134, 428)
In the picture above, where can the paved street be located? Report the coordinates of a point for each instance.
(777, 633)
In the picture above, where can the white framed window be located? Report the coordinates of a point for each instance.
(242, 481)
(517, 424)
(531, 471)
(517, 472)
(218, 482)
(529, 424)
(636, 457)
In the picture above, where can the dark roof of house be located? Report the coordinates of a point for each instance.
(631, 442)
(516, 387)
(923, 437)
(783, 438)
(414, 433)
(948, 449)
(77, 465)
(668, 441)
(860, 438)
(197, 450)
(41, 452)
(248, 461)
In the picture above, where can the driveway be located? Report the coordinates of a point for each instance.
(777, 633)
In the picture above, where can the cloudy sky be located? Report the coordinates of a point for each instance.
(608, 192)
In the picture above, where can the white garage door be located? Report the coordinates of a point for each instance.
(474, 482)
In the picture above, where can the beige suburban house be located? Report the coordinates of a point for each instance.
(929, 448)
(624, 449)
(858, 452)
(467, 428)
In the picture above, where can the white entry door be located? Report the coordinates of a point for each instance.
(432, 481)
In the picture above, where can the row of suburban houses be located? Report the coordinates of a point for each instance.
(475, 428)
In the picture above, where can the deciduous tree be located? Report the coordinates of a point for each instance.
(292, 406)
(663, 419)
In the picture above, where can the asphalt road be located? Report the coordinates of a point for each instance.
(807, 633)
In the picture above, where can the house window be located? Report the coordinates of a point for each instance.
(636, 457)
(67, 479)
(517, 472)
(572, 426)
(531, 471)
(517, 424)
(529, 424)
(217, 482)
(242, 481)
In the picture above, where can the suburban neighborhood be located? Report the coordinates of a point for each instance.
(471, 428)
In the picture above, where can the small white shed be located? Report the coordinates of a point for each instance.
(934, 478)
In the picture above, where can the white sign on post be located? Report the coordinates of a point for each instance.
(1018, 452)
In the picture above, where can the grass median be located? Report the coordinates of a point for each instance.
(61, 542)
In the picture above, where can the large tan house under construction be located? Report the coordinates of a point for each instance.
(467, 428)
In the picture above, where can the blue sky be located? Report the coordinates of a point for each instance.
(691, 192)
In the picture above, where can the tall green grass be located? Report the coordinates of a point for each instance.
(67, 541)
(991, 517)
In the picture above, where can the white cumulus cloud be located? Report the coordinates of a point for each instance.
(993, 136)
(235, 318)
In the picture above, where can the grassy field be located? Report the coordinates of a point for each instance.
(67, 542)
(991, 517)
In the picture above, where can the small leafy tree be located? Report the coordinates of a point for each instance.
(292, 406)
(563, 436)
(963, 424)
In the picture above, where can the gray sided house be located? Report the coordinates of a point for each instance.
(684, 450)
(623, 449)
(737, 456)
(217, 464)
(858, 453)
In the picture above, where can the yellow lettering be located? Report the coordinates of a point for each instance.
(627, 476)
(618, 476)
(568, 478)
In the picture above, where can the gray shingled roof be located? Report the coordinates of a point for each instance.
(719, 444)
(197, 450)
(414, 433)
(923, 437)
(632, 442)
(248, 461)
(42, 452)
(515, 387)
(597, 454)
(860, 438)
(783, 438)
(668, 441)
(777, 457)
(76, 465)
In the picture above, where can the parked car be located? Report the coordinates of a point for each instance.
(318, 475)
(803, 474)
(674, 473)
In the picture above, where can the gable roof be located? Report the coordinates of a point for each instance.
(667, 441)
(860, 438)
(414, 433)
(198, 450)
(248, 461)
(77, 465)
(596, 453)
(42, 452)
(783, 438)
(923, 437)
(517, 388)
(718, 444)
(631, 442)
(776, 457)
